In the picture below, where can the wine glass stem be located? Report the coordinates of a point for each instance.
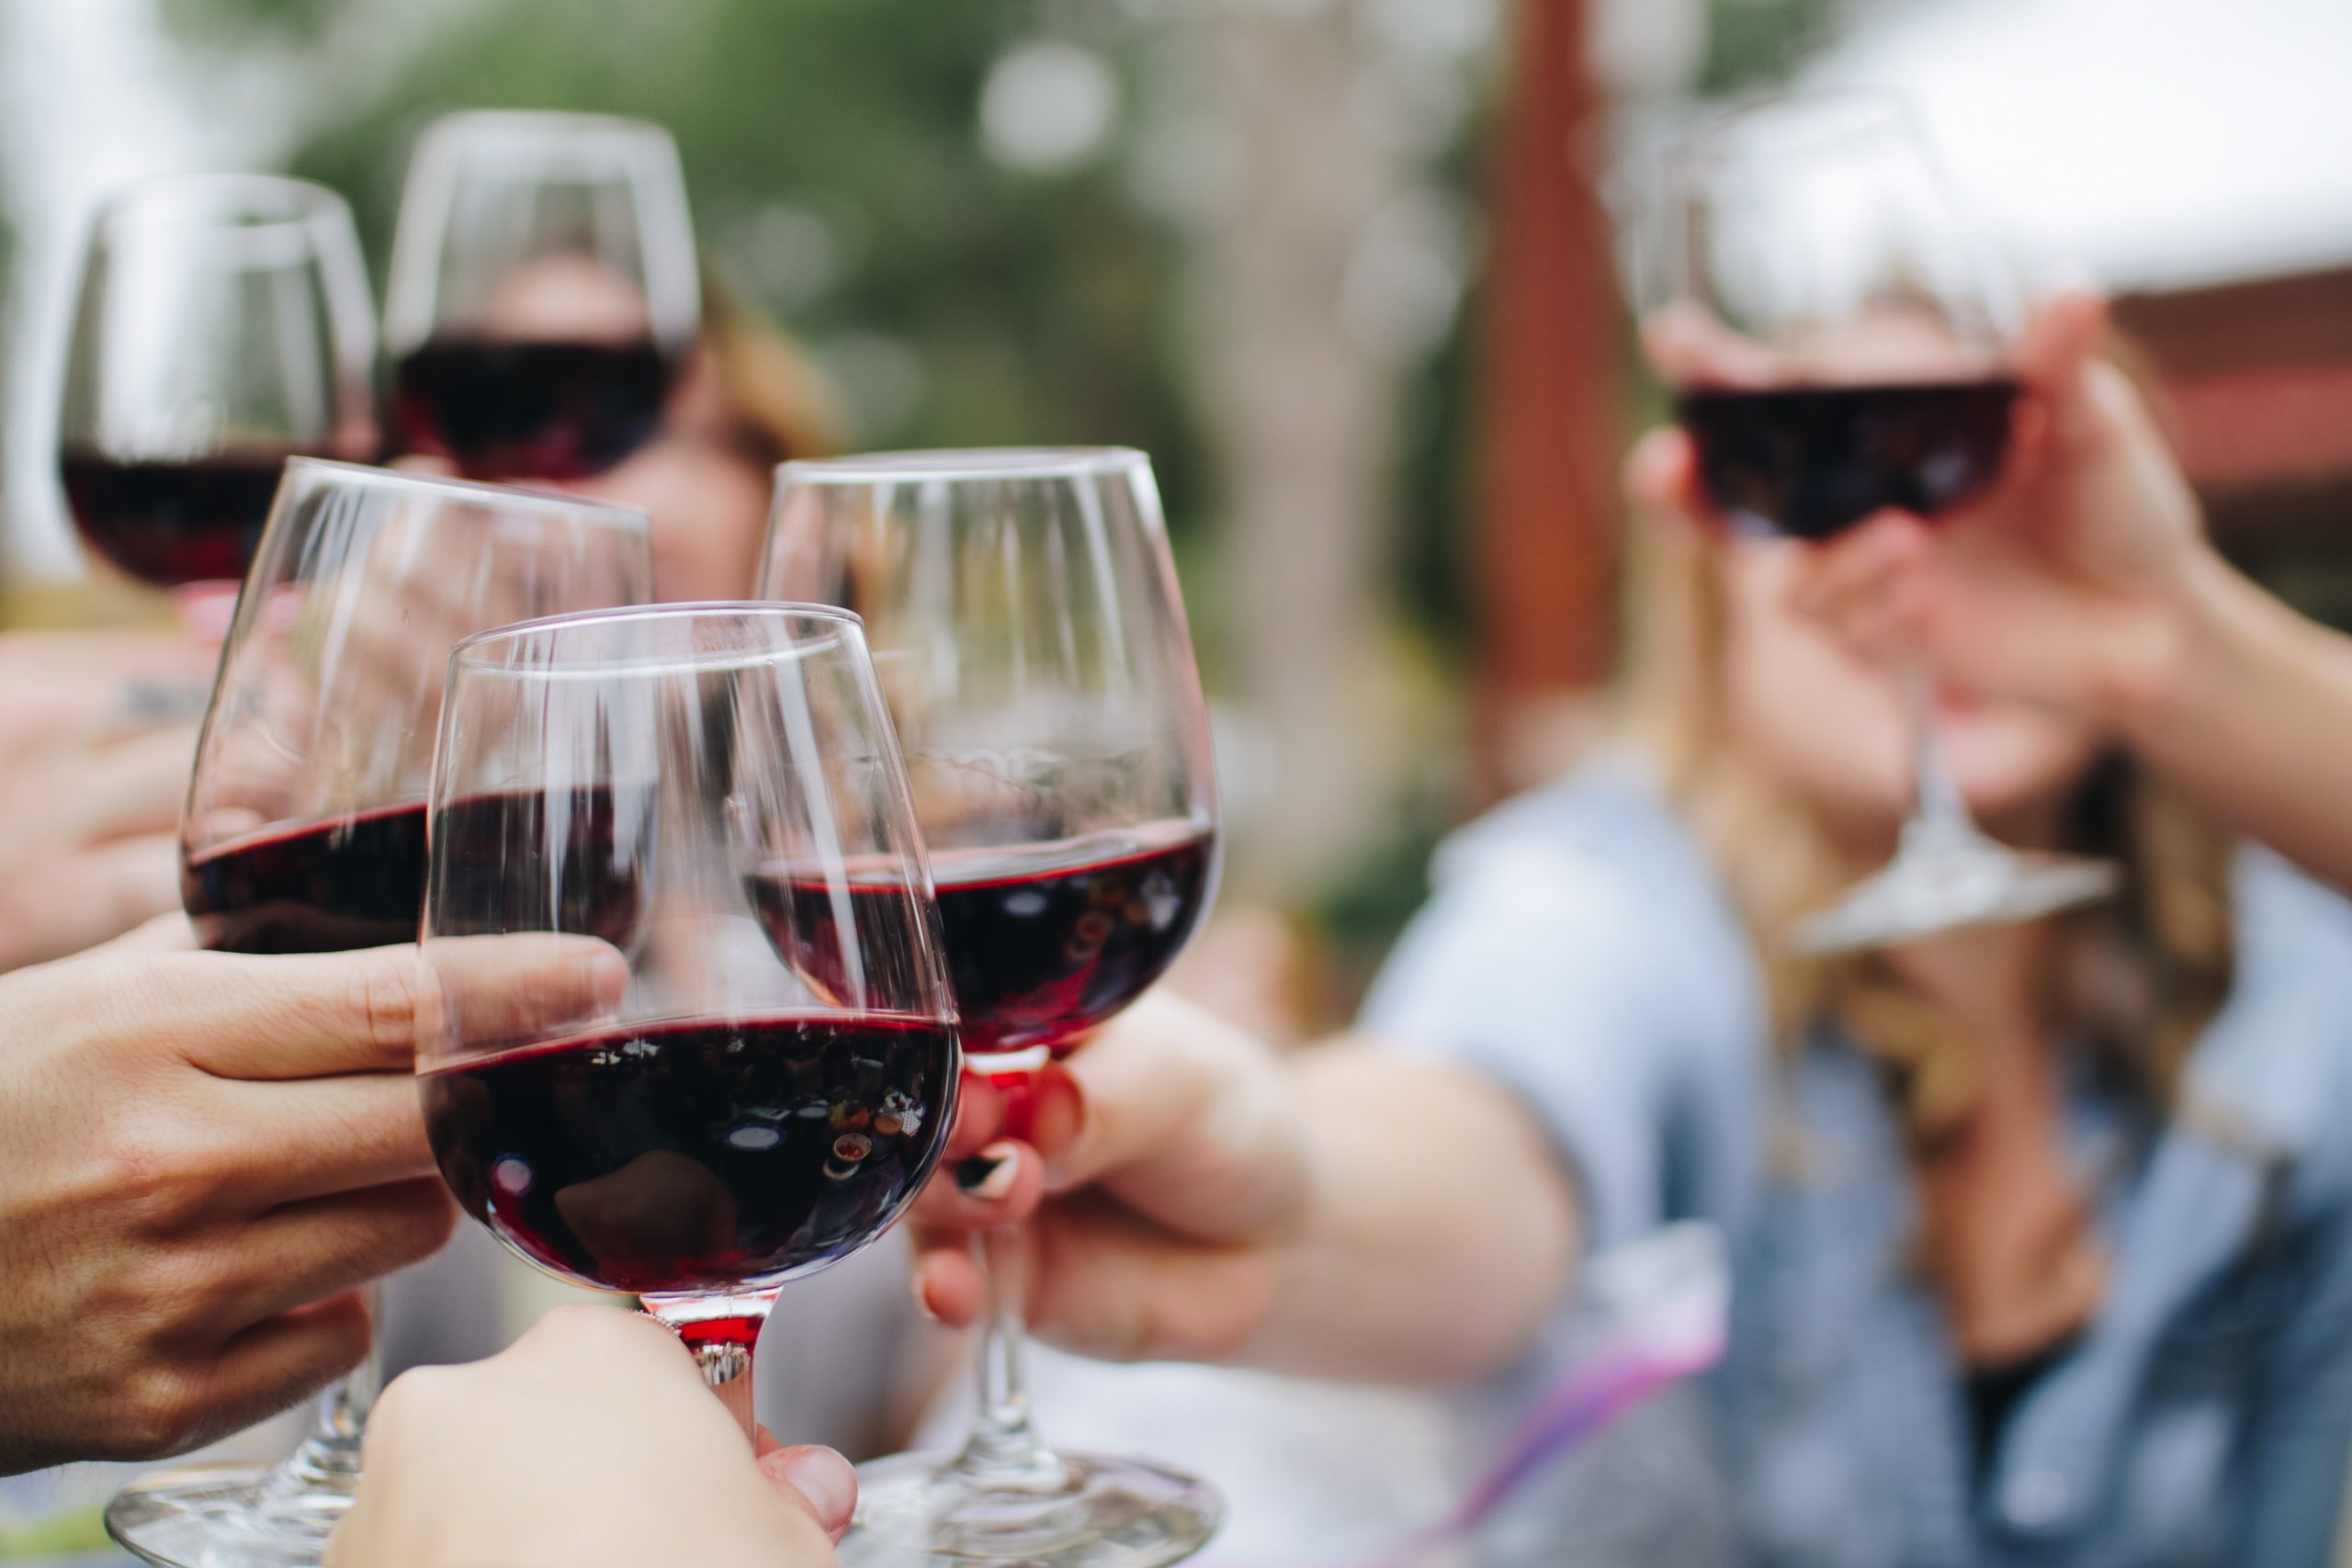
(722, 1348)
(1004, 1445)
(328, 1458)
(1940, 818)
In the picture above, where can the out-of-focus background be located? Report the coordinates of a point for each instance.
(1346, 267)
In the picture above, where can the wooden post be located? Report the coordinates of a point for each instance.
(1548, 497)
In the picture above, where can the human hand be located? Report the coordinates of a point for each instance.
(2071, 584)
(592, 1443)
(207, 1155)
(1162, 1172)
(96, 731)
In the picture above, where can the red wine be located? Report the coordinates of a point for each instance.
(529, 409)
(697, 1154)
(358, 881)
(1044, 942)
(172, 523)
(1811, 461)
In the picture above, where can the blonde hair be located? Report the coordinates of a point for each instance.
(2137, 980)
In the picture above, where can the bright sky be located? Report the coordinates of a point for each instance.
(2157, 142)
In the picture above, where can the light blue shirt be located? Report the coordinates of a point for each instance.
(1582, 952)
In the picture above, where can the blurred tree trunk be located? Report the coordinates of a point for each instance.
(1303, 416)
(1548, 409)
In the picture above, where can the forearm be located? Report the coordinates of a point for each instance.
(1440, 1231)
(2246, 706)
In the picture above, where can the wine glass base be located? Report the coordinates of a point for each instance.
(225, 1516)
(1977, 883)
(1088, 1512)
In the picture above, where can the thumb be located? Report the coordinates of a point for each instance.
(816, 1479)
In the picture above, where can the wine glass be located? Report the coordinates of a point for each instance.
(305, 826)
(543, 292)
(707, 799)
(224, 324)
(1840, 342)
(1030, 640)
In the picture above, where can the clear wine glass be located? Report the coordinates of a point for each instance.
(223, 325)
(1025, 620)
(305, 826)
(543, 292)
(1839, 341)
(707, 799)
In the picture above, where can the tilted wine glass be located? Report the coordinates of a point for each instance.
(1031, 638)
(709, 800)
(305, 825)
(1839, 341)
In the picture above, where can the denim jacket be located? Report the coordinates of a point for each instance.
(1582, 952)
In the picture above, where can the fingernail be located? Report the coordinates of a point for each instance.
(990, 1173)
(826, 1480)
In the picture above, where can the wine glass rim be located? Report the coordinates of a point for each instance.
(1002, 463)
(225, 198)
(514, 498)
(1715, 136)
(468, 651)
(529, 124)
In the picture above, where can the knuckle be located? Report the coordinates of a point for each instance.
(386, 1002)
(159, 1412)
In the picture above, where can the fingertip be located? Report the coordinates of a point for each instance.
(979, 1116)
(947, 1289)
(820, 1481)
(1056, 1113)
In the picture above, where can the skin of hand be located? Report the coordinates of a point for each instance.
(1187, 1194)
(592, 1443)
(97, 733)
(208, 1155)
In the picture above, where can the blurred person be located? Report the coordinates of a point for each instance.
(592, 1443)
(97, 733)
(208, 1155)
(2042, 1234)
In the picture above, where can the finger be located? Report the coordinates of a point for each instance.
(481, 991)
(239, 1016)
(323, 1248)
(2055, 354)
(165, 934)
(979, 1116)
(269, 1367)
(1104, 1286)
(1859, 563)
(51, 907)
(1688, 345)
(946, 1282)
(816, 1479)
(1662, 478)
(136, 784)
(1001, 1185)
(345, 1133)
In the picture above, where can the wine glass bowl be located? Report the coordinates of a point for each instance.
(543, 292)
(223, 324)
(730, 1114)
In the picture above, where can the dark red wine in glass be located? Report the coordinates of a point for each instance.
(696, 1155)
(530, 408)
(1044, 941)
(358, 881)
(1810, 462)
(172, 523)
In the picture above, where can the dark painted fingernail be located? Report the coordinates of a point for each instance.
(989, 1173)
